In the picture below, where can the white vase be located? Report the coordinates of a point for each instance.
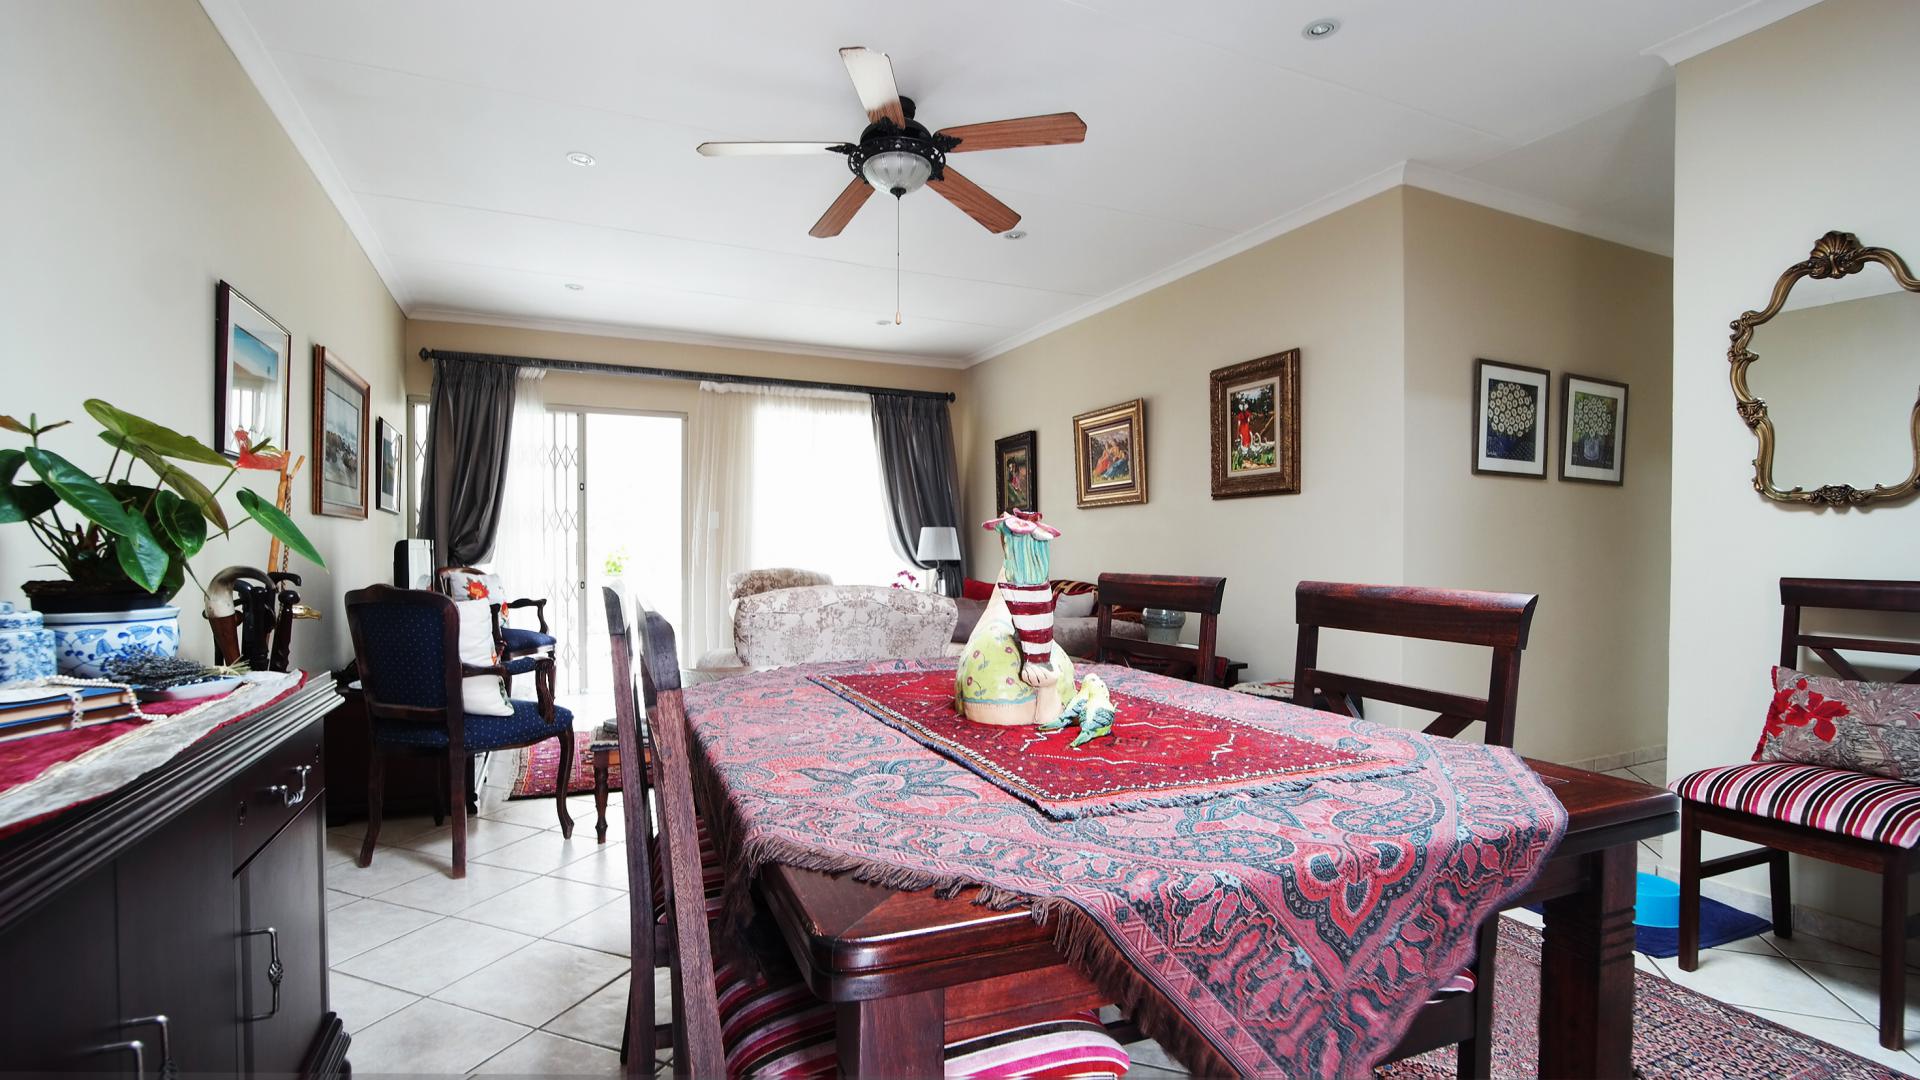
(83, 640)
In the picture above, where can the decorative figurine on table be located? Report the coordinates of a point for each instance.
(1012, 673)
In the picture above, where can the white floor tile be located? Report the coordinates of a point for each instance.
(431, 1037)
(1859, 987)
(434, 956)
(535, 984)
(599, 1019)
(1524, 917)
(605, 929)
(544, 1054)
(1652, 772)
(543, 852)
(367, 924)
(1752, 981)
(390, 867)
(360, 1003)
(1818, 950)
(606, 867)
(1859, 1038)
(483, 835)
(338, 899)
(1759, 943)
(540, 906)
(393, 830)
(534, 813)
(446, 894)
(1624, 775)
(1150, 1055)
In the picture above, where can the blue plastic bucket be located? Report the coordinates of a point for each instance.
(1656, 901)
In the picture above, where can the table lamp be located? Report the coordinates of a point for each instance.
(939, 545)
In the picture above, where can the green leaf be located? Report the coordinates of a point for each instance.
(18, 502)
(159, 438)
(142, 557)
(180, 522)
(279, 525)
(189, 487)
(84, 493)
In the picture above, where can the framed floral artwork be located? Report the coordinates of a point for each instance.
(252, 374)
(1016, 468)
(340, 402)
(1256, 427)
(1110, 455)
(1593, 429)
(1510, 419)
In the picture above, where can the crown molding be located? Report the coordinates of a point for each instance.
(1714, 33)
(677, 337)
(1467, 189)
(257, 61)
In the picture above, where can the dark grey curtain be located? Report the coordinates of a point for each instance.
(467, 431)
(915, 439)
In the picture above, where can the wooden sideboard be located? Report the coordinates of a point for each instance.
(194, 893)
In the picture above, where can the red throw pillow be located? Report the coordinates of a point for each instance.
(975, 589)
(1843, 724)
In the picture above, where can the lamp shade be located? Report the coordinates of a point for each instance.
(938, 543)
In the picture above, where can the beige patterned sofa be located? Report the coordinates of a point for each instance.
(811, 624)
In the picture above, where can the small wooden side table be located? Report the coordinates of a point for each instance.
(606, 758)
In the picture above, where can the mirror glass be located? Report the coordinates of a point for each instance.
(1839, 369)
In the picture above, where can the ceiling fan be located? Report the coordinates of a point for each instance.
(897, 154)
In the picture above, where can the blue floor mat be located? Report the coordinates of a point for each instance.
(1719, 924)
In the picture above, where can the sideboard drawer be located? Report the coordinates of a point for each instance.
(274, 789)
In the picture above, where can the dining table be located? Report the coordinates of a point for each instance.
(910, 969)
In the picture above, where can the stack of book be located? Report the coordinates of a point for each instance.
(42, 709)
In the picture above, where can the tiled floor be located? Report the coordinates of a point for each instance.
(522, 967)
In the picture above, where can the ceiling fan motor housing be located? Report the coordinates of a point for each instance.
(897, 159)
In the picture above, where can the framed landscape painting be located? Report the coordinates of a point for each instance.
(1256, 427)
(339, 437)
(252, 373)
(1509, 419)
(387, 468)
(1593, 429)
(1016, 465)
(1110, 455)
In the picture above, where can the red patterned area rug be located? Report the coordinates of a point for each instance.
(539, 771)
(1676, 1032)
(1159, 754)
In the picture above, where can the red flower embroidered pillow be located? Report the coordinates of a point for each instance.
(1842, 724)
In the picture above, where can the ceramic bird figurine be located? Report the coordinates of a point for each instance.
(1092, 707)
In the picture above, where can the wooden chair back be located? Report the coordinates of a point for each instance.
(406, 643)
(1174, 593)
(698, 1050)
(1844, 594)
(1497, 620)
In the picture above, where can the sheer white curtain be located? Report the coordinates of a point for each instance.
(526, 551)
(719, 508)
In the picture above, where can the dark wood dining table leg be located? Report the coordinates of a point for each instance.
(1586, 973)
(899, 1037)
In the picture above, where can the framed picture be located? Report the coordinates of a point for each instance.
(386, 469)
(252, 373)
(1509, 419)
(1110, 455)
(1256, 427)
(1593, 429)
(339, 437)
(1016, 465)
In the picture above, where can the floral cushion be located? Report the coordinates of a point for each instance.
(1843, 801)
(817, 623)
(1843, 724)
(464, 586)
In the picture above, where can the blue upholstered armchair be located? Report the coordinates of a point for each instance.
(471, 583)
(407, 642)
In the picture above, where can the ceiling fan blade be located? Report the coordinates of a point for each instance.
(851, 199)
(872, 75)
(1053, 129)
(997, 216)
(761, 149)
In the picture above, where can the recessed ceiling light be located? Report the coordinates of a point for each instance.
(580, 157)
(1015, 234)
(883, 322)
(1320, 28)
(575, 286)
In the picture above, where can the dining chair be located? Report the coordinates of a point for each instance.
(1858, 819)
(1171, 592)
(769, 1014)
(406, 643)
(472, 583)
(1462, 1015)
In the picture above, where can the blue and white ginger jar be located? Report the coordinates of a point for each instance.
(26, 647)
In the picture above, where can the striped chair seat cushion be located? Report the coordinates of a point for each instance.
(1856, 804)
(711, 877)
(778, 1029)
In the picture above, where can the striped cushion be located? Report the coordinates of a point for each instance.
(711, 876)
(1855, 804)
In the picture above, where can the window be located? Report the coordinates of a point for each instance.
(417, 413)
(818, 503)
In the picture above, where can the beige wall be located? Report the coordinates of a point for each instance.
(1802, 127)
(1481, 283)
(142, 168)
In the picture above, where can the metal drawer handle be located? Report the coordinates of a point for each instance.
(167, 1069)
(134, 1046)
(288, 796)
(275, 970)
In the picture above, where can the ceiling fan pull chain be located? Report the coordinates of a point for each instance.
(896, 260)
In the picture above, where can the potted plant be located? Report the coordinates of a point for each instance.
(124, 544)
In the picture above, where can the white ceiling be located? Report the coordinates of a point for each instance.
(442, 128)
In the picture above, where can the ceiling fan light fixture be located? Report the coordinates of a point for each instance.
(896, 172)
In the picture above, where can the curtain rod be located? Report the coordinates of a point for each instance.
(589, 367)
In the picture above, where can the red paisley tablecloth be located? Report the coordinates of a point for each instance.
(1294, 933)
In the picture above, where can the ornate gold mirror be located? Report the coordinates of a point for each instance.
(1842, 343)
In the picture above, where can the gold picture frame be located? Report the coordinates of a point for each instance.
(1255, 427)
(1110, 455)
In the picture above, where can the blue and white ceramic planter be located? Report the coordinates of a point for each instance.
(26, 647)
(83, 640)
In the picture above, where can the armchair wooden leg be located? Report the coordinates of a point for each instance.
(376, 790)
(1893, 956)
(1689, 890)
(1781, 885)
(439, 793)
(564, 781)
(457, 801)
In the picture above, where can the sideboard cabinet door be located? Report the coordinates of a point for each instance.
(58, 1001)
(280, 889)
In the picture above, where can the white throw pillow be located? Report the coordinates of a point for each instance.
(1077, 606)
(482, 695)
